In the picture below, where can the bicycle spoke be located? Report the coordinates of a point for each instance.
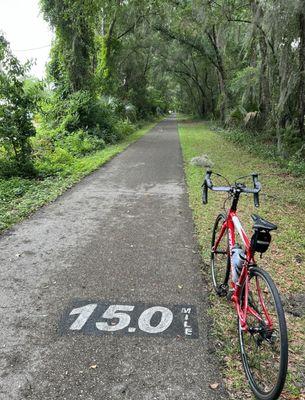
(262, 345)
(220, 260)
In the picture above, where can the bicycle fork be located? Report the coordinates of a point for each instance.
(240, 298)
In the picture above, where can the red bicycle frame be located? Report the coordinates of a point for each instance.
(231, 224)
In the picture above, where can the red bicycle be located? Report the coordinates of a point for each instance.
(262, 328)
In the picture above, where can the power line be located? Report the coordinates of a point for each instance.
(35, 48)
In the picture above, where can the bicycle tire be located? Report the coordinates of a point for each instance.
(277, 338)
(220, 273)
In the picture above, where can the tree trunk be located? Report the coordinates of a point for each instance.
(279, 138)
(201, 92)
(302, 71)
(202, 109)
(264, 90)
(223, 97)
(211, 106)
(221, 74)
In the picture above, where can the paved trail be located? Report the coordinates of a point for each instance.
(123, 236)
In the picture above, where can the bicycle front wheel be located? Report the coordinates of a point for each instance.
(264, 347)
(220, 259)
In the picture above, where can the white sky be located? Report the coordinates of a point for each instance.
(24, 27)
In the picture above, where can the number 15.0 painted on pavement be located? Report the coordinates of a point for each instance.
(119, 312)
(139, 319)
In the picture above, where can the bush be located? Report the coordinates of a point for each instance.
(236, 117)
(96, 116)
(81, 143)
(123, 129)
(54, 162)
(292, 142)
(76, 111)
(105, 118)
(296, 166)
(19, 99)
(130, 112)
(11, 167)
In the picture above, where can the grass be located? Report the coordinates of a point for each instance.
(20, 197)
(264, 143)
(282, 202)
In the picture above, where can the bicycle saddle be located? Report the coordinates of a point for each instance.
(260, 223)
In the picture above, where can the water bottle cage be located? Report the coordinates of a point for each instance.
(260, 240)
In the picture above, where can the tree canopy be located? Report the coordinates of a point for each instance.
(241, 62)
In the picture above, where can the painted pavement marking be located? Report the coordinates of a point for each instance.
(100, 318)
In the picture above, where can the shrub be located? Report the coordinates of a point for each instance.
(123, 129)
(83, 111)
(80, 143)
(104, 120)
(292, 142)
(236, 116)
(130, 112)
(54, 162)
(18, 102)
(11, 168)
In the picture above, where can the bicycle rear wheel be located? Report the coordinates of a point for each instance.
(264, 347)
(220, 258)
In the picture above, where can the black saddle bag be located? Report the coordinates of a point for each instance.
(260, 240)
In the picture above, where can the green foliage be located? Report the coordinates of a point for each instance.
(54, 162)
(79, 112)
(124, 128)
(265, 144)
(73, 53)
(12, 188)
(244, 85)
(97, 116)
(230, 56)
(10, 167)
(100, 68)
(236, 116)
(18, 101)
(81, 143)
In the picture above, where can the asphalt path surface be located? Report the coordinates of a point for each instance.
(123, 237)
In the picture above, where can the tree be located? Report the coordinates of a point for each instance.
(74, 50)
(240, 61)
(18, 101)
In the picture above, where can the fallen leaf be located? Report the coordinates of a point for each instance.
(94, 366)
(180, 286)
(214, 386)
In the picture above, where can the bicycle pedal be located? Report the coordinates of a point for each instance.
(222, 291)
